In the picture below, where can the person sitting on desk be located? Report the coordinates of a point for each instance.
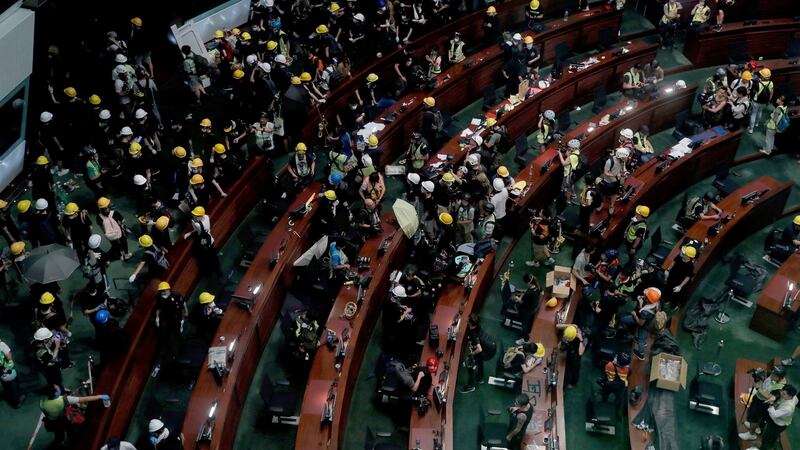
(491, 24)
(455, 54)
(669, 23)
(523, 358)
(700, 15)
(530, 54)
(791, 234)
(642, 145)
(520, 415)
(700, 208)
(633, 82)
(653, 73)
(534, 14)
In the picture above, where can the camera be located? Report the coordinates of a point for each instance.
(758, 374)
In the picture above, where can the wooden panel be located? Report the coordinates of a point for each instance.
(764, 10)
(767, 39)
(742, 382)
(770, 318)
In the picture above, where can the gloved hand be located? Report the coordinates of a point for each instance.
(676, 289)
(132, 278)
(105, 398)
(181, 326)
(158, 323)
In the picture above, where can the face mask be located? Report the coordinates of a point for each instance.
(530, 46)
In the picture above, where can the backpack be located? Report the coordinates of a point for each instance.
(488, 345)
(510, 354)
(438, 121)
(204, 237)
(504, 144)
(583, 166)
(783, 122)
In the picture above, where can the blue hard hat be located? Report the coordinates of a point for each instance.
(335, 177)
(101, 316)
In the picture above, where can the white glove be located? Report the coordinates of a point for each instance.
(158, 323)
(132, 278)
(181, 326)
(676, 289)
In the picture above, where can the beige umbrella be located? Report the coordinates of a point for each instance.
(406, 217)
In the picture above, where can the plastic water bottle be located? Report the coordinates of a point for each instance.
(566, 15)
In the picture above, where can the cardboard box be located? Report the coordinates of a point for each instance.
(560, 281)
(674, 383)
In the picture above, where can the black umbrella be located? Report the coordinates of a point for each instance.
(49, 263)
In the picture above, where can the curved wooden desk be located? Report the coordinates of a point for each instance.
(463, 83)
(657, 181)
(325, 380)
(250, 331)
(470, 26)
(548, 402)
(767, 38)
(454, 303)
(749, 218)
(544, 173)
(770, 318)
(125, 377)
(742, 381)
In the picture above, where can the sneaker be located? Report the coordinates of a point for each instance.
(764, 151)
(532, 263)
(639, 356)
(752, 448)
(747, 424)
(549, 262)
(467, 389)
(747, 436)
(750, 130)
(127, 256)
(787, 362)
(62, 172)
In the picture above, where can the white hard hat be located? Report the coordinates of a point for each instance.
(413, 178)
(359, 17)
(140, 113)
(251, 59)
(543, 84)
(517, 37)
(121, 59)
(498, 184)
(366, 160)
(427, 186)
(45, 117)
(549, 114)
(155, 425)
(478, 139)
(41, 204)
(474, 159)
(627, 133)
(139, 180)
(680, 84)
(399, 291)
(126, 131)
(280, 59)
(269, 3)
(42, 334)
(265, 67)
(105, 114)
(622, 152)
(574, 143)
(94, 241)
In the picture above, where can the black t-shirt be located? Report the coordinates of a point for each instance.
(680, 270)
(789, 234)
(426, 381)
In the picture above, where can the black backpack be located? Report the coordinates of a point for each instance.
(505, 144)
(204, 238)
(582, 167)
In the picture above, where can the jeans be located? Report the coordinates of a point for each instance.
(769, 141)
(755, 113)
(641, 332)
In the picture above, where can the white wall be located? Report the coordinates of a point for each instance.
(16, 65)
(196, 31)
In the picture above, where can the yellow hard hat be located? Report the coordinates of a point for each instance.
(491, 10)
(145, 240)
(236, 31)
(528, 40)
(23, 206)
(246, 36)
(137, 21)
(103, 202)
(163, 286)
(305, 76)
(534, 4)
(491, 121)
(552, 302)
(219, 34)
(94, 99)
(197, 163)
(448, 177)
(47, 298)
(70, 92)
(539, 350)
(330, 194)
(272, 45)
(198, 211)
(296, 80)
(206, 298)
(179, 151)
(372, 140)
(643, 211)
(334, 7)
(430, 101)
(689, 251)
(42, 160)
(135, 148)
(205, 122)
(796, 220)
(747, 75)
(71, 208)
(3, 204)
(162, 223)
(445, 218)
(300, 147)
(373, 77)
(765, 73)
(570, 333)
(17, 248)
(502, 171)
(196, 179)
(238, 74)
(219, 148)
(322, 29)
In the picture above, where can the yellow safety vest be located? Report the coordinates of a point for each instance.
(633, 228)
(700, 14)
(456, 49)
(671, 9)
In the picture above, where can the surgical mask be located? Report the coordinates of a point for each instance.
(529, 46)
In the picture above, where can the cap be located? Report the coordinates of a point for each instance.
(652, 294)
(103, 202)
(71, 208)
(47, 298)
(643, 211)
(145, 241)
(162, 223)
(205, 298)
(550, 114)
(199, 211)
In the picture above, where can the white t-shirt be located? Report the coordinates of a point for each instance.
(123, 445)
(499, 200)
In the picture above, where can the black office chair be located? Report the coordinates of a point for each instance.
(280, 403)
(659, 249)
(607, 39)
(564, 122)
(737, 53)
(684, 126)
(704, 396)
(601, 417)
(521, 146)
(600, 100)
(562, 51)
(723, 182)
(489, 97)
(504, 378)
(491, 434)
(372, 441)
(510, 309)
(793, 48)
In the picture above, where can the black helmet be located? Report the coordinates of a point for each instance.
(489, 208)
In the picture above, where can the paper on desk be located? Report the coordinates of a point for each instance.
(441, 156)
(217, 356)
(371, 128)
(466, 132)
(476, 121)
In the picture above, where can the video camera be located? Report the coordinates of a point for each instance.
(758, 374)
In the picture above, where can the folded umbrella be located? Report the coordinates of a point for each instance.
(49, 263)
(406, 217)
